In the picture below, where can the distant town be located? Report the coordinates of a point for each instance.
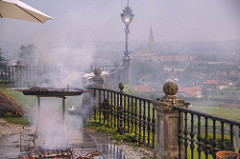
(202, 70)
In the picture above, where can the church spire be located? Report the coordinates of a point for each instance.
(151, 42)
(151, 32)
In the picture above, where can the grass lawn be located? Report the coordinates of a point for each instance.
(10, 118)
(25, 101)
(225, 112)
(17, 120)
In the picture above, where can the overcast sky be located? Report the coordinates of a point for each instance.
(99, 20)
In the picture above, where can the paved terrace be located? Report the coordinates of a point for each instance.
(16, 140)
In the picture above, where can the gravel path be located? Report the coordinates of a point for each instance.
(135, 152)
(129, 150)
(7, 128)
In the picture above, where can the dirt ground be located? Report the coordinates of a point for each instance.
(7, 128)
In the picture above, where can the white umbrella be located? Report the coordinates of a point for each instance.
(19, 10)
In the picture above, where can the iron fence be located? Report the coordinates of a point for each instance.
(28, 74)
(210, 136)
(7, 74)
(126, 113)
(104, 68)
(37, 74)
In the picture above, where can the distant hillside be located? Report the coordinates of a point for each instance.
(221, 49)
(218, 48)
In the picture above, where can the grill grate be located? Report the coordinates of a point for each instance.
(39, 153)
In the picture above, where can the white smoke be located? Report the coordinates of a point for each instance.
(51, 132)
(70, 50)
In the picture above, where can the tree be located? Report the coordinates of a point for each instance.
(26, 53)
(226, 92)
(3, 62)
(130, 90)
(205, 92)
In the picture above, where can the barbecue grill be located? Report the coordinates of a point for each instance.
(52, 92)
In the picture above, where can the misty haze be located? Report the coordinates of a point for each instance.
(122, 56)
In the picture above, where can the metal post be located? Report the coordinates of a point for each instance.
(121, 128)
(126, 46)
(127, 17)
(63, 114)
(38, 118)
(237, 136)
(126, 58)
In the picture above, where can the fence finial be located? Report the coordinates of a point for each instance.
(121, 87)
(97, 79)
(117, 64)
(97, 71)
(170, 88)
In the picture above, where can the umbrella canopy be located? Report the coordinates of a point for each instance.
(19, 10)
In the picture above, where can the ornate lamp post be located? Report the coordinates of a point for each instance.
(127, 18)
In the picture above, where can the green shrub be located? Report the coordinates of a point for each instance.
(9, 114)
(6, 82)
(10, 118)
(227, 140)
(129, 137)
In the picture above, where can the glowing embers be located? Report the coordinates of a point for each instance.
(39, 153)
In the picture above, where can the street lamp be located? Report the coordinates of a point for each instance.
(127, 17)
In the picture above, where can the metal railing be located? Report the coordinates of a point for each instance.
(218, 134)
(104, 68)
(7, 74)
(126, 113)
(35, 74)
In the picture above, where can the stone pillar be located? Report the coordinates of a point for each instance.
(19, 74)
(237, 136)
(97, 79)
(98, 82)
(167, 122)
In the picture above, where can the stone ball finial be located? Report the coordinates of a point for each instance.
(97, 71)
(121, 86)
(170, 88)
(19, 62)
(117, 64)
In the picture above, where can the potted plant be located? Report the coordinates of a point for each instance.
(227, 155)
